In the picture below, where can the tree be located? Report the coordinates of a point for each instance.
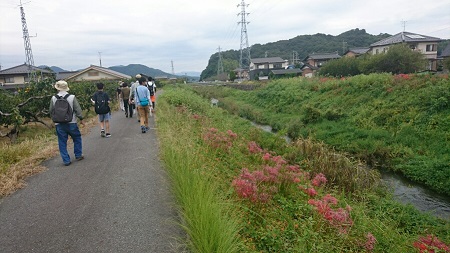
(399, 59)
(447, 63)
(345, 66)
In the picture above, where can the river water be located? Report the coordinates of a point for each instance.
(406, 191)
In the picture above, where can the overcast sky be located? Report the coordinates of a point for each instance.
(71, 33)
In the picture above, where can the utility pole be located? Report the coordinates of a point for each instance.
(244, 59)
(173, 71)
(100, 57)
(294, 57)
(27, 45)
(344, 47)
(220, 63)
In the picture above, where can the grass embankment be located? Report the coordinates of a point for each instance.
(399, 122)
(242, 190)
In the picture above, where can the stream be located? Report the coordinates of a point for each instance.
(405, 191)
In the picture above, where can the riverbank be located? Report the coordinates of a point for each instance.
(272, 194)
(395, 122)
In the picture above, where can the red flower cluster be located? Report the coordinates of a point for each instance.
(219, 140)
(254, 148)
(429, 244)
(370, 243)
(402, 77)
(260, 185)
(339, 218)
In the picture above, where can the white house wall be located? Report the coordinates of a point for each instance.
(90, 77)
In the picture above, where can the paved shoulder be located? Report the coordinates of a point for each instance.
(115, 200)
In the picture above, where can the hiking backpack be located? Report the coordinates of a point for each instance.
(62, 112)
(101, 104)
(151, 89)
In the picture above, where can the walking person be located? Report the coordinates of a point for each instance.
(125, 94)
(152, 89)
(119, 95)
(142, 100)
(132, 91)
(100, 99)
(64, 130)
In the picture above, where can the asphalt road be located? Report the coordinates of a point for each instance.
(115, 200)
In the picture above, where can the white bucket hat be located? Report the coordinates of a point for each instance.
(62, 86)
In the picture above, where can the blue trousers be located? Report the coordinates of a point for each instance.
(63, 131)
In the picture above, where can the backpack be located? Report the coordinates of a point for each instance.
(101, 103)
(62, 112)
(151, 89)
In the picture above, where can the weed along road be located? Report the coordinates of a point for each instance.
(115, 200)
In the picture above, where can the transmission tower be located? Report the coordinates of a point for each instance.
(27, 44)
(220, 63)
(244, 59)
(173, 71)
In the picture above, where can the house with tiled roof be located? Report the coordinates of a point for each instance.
(286, 72)
(96, 73)
(355, 52)
(18, 76)
(427, 45)
(261, 67)
(308, 70)
(314, 61)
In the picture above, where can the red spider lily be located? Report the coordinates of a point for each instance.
(430, 243)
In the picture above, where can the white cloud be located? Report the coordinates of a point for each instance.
(71, 33)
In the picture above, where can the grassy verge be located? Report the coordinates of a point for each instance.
(275, 197)
(399, 122)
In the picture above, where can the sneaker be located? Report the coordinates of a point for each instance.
(147, 128)
(102, 133)
(79, 158)
(143, 129)
(67, 164)
(108, 135)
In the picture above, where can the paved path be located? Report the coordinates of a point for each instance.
(115, 200)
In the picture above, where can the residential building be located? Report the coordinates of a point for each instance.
(261, 67)
(421, 43)
(355, 52)
(18, 76)
(314, 61)
(286, 72)
(96, 73)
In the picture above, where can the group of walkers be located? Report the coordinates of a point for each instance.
(65, 110)
(141, 96)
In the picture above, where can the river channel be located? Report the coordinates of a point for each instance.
(406, 191)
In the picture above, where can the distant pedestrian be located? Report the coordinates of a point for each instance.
(142, 100)
(100, 99)
(125, 95)
(64, 130)
(118, 96)
(132, 91)
(152, 89)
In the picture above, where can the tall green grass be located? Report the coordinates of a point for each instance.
(206, 217)
(217, 220)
